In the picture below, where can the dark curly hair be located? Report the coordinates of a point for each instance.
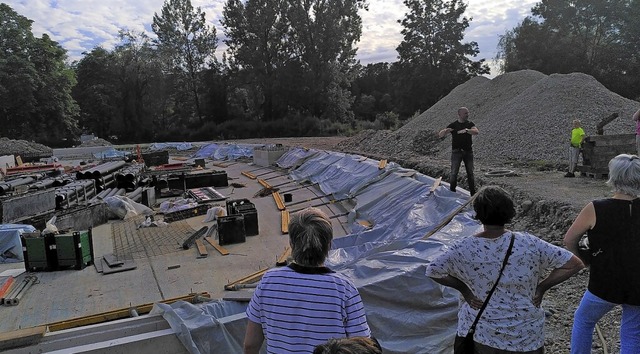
(494, 206)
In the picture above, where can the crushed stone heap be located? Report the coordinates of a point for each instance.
(95, 142)
(522, 116)
(23, 148)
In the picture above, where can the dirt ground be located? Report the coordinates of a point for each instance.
(547, 205)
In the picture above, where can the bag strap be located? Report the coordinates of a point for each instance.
(486, 301)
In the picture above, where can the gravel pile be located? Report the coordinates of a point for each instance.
(23, 148)
(523, 116)
(95, 142)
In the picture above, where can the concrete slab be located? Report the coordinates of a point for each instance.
(63, 295)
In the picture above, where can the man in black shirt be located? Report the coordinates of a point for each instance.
(461, 131)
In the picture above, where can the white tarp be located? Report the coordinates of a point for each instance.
(10, 245)
(407, 311)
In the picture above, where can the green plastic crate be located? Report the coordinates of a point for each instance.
(74, 249)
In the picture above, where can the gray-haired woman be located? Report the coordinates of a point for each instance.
(304, 304)
(612, 226)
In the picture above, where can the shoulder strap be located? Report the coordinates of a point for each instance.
(486, 301)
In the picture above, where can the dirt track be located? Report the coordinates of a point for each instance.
(547, 204)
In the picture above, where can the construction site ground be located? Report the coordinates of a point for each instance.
(547, 204)
(164, 269)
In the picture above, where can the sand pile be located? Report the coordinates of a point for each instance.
(523, 115)
(23, 148)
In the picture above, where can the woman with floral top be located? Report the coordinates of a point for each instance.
(513, 321)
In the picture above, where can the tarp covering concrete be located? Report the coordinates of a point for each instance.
(214, 327)
(110, 153)
(226, 151)
(177, 146)
(10, 245)
(410, 225)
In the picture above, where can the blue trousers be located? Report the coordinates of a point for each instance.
(590, 310)
(457, 157)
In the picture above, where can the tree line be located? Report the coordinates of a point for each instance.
(290, 69)
(599, 38)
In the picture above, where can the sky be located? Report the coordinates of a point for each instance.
(81, 25)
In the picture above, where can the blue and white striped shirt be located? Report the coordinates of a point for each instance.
(300, 307)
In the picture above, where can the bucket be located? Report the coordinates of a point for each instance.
(288, 197)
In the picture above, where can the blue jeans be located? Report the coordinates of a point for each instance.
(590, 310)
(457, 157)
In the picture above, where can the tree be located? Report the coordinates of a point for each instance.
(324, 34)
(259, 48)
(96, 91)
(35, 83)
(432, 57)
(595, 37)
(188, 44)
(298, 56)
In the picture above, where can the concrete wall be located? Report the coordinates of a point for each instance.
(21, 207)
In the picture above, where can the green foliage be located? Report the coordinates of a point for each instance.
(294, 56)
(433, 58)
(387, 120)
(187, 44)
(35, 83)
(599, 38)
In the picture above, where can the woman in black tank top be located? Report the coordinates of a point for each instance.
(612, 226)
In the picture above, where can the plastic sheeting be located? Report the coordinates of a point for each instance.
(406, 310)
(209, 328)
(177, 146)
(10, 245)
(111, 153)
(226, 151)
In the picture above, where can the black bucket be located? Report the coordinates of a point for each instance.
(288, 197)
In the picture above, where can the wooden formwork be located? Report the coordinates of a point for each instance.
(598, 150)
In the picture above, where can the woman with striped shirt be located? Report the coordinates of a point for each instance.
(297, 307)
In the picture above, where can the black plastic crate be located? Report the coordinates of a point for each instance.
(231, 230)
(250, 214)
(232, 205)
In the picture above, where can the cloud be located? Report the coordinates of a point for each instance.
(80, 25)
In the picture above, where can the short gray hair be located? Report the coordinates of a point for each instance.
(624, 174)
(310, 236)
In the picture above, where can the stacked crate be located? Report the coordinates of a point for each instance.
(53, 252)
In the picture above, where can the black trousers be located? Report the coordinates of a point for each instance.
(457, 157)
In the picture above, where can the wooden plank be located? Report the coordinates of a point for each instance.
(278, 199)
(282, 260)
(202, 250)
(223, 251)
(382, 164)
(612, 137)
(284, 216)
(119, 313)
(248, 175)
(21, 337)
(251, 278)
(450, 217)
(436, 184)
